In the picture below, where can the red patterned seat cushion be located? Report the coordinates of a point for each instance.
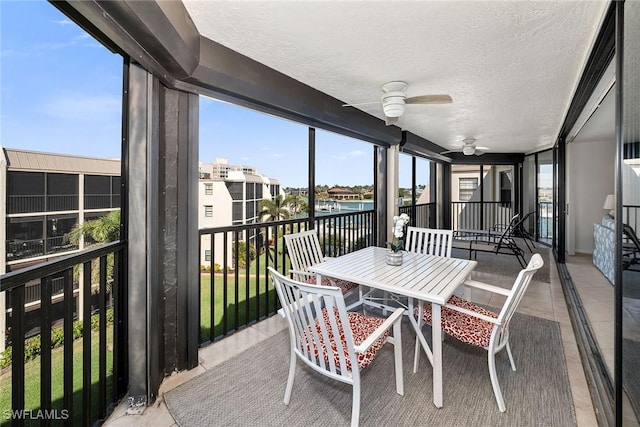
(361, 327)
(468, 329)
(342, 284)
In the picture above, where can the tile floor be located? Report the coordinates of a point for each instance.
(542, 299)
(597, 296)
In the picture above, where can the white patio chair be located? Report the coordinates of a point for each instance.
(316, 315)
(474, 325)
(419, 240)
(304, 251)
(429, 241)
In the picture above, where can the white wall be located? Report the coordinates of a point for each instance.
(590, 178)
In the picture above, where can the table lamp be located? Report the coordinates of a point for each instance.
(610, 204)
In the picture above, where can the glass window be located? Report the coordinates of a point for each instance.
(466, 188)
(207, 254)
(208, 211)
(235, 190)
(208, 189)
(237, 211)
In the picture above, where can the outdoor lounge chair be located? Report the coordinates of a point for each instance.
(480, 327)
(316, 316)
(631, 249)
(491, 241)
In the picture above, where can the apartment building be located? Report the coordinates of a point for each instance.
(230, 195)
(45, 196)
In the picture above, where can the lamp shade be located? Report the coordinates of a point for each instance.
(610, 202)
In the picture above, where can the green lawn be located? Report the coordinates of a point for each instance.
(255, 297)
(32, 380)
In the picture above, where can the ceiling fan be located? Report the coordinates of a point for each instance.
(468, 148)
(394, 98)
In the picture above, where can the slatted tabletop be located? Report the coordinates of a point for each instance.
(425, 277)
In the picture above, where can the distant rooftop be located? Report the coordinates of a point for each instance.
(37, 161)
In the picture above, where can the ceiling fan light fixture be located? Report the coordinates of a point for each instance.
(468, 150)
(393, 105)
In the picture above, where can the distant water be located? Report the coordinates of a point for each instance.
(325, 208)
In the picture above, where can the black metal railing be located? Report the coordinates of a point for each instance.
(42, 203)
(479, 215)
(545, 220)
(234, 286)
(422, 215)
(101, 201)
(80, 383)
(26, 203)
(23, 249)
(631, 216)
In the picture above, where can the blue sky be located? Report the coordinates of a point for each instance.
(61, 92)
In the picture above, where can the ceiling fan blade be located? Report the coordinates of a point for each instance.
(390, 121)
(362, 103)
(479, 152)
(429, 99)
(449, 151)
(483, 148)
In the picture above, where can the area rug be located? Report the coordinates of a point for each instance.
(630, 372)
(631, 284)
(508, 265)
(248, 390)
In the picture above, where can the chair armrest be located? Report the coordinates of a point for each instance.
(473, 313)
(389, 321)
(302, 273)
(487, 287)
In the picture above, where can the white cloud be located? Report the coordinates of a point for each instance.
(356, 153)
(63, 22)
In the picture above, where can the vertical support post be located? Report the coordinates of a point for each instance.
(392, 187)
(141, 136)
(446, 196)
(81, 277)
(381, 194)
(3, 247)
(163, 234)
(312, 178)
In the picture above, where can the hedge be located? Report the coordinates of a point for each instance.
(32, 347)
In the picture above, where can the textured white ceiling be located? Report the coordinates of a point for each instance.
(511, 67)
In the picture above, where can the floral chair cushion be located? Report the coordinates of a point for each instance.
(361, 327)
(468, 329)
(342, 284)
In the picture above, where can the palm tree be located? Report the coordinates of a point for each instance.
(296, 204)
(274, 210)
(102, 230)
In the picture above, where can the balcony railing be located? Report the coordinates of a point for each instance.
(234, 286)
(80, 382)
(41, 203)
(101, 201)
(545, 220)
(479, 215)
(422, 215)
(23, 249)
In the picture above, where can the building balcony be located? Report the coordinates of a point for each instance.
(543, 300)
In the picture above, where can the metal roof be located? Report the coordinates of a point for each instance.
(22, 160)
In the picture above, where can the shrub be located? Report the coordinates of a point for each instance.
(5, 358)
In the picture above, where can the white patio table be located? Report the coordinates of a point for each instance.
(423, 277)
